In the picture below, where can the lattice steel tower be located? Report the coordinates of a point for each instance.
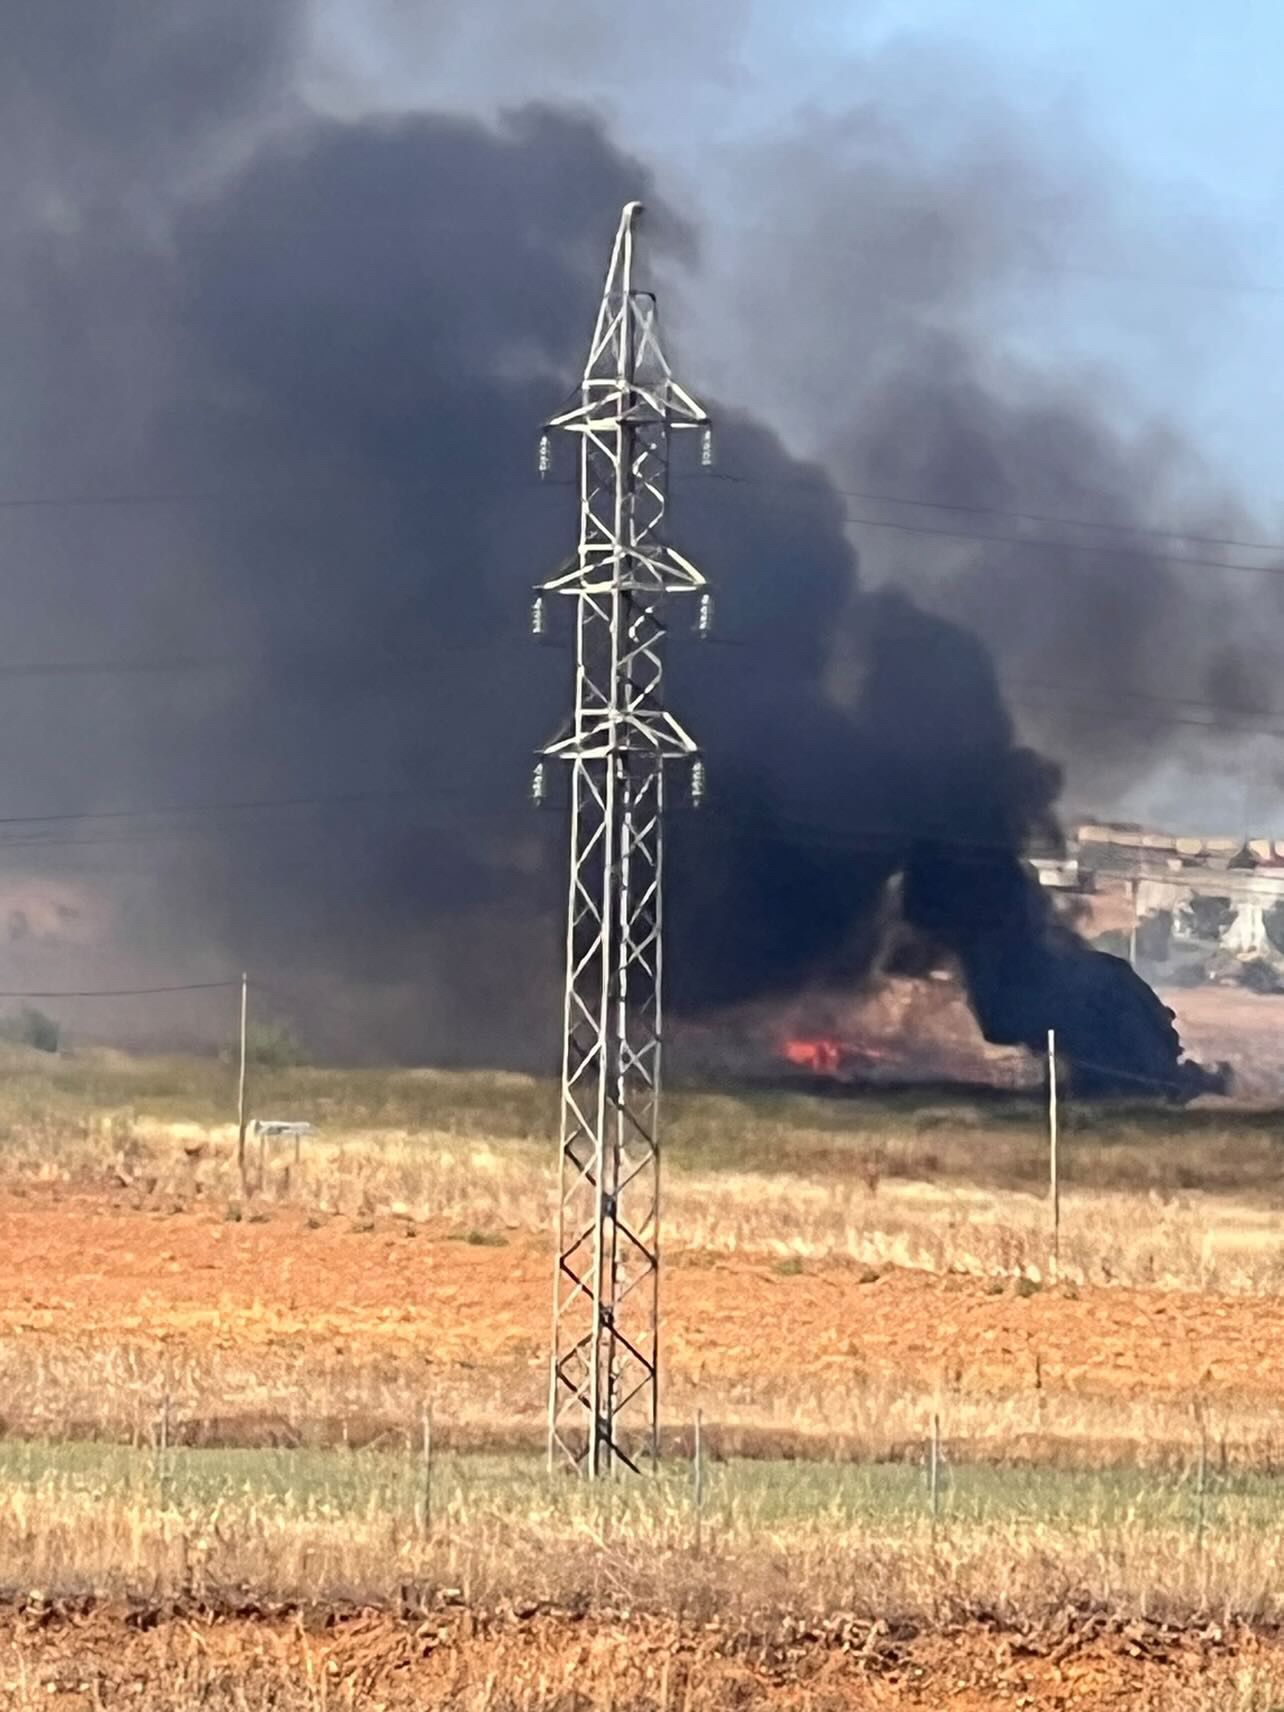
(604, 1370)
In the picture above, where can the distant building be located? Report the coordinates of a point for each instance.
(1059, 873)
(1183, 898)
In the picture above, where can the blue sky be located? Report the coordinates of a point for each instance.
(1186, 92)
(1184, 99)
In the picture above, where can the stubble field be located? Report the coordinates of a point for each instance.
(213, 1404)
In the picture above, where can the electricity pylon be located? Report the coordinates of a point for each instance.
(604, 1369)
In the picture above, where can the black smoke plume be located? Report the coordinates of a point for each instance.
(308, 357)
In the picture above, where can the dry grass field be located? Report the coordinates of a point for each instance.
(212, 1399)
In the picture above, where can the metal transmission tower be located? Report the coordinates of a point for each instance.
(605, 1358)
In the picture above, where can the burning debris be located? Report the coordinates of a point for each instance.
(822, 1055)
(899, 1029)
(1114, 1034)
(930, 805)
(1107, 994)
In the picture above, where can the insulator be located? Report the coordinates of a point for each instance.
(704, 615)
(545, 454)
(697, 783)
(537, 615)
(538, 785)
(706, 449)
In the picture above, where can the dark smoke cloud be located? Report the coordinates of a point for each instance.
(105, 113)
(120, 101)
(333, 342)
(926, 233)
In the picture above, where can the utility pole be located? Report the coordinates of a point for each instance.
(1132, 929)
(240, 1089)
(604, 1366)
(1054, 1161)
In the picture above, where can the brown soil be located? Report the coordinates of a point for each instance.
(91, 1656)
(82, 1272)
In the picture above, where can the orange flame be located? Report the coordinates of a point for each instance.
(819, 1054)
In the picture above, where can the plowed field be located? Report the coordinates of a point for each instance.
(106, 1308)
(98, 1656)
(82, 1271)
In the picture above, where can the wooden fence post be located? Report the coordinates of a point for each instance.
(698, 1475)
(1054, 1163)
(424, 1504)
(240, 1092)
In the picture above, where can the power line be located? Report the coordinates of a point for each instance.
(1216, 725)
(109, 667)
(1049, 542)
(329, 663)
(780, 828)
(825, 486)
(140, 498)
(143, 498)
(1160, 700)
(1219, 724)
(40, 840)
(123, 992)
(343, 799)
(126, 499)
(1116, 715)
(1035, 541)
(497, 814)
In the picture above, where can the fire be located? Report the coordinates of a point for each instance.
(819, 1054)
(827, 1055)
